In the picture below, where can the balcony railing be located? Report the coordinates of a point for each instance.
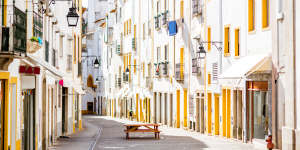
(37, 25)
(18, 34)
(165, 18)
(195, 67)
(179, 72)
(164, 67)
(47, 51)
(197, 8)
(133, 44)
(118, 49)
(79, 69)
(125, 77)
(157, 22)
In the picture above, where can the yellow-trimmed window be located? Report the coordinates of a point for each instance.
(143, 66)
(237, 42)
(226, 41)
(124, 62)
(181, 8)
(251, 15)
(124, 27)
(265, 13)
(134, 31)
(209, 78)
(209, 38)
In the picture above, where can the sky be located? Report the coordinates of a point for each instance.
(85, 3)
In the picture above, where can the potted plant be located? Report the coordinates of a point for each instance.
(34, 44)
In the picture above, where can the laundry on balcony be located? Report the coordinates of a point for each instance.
(172, 28)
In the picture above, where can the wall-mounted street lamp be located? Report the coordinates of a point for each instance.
(127, 71)
(201, 53)
(72, 17)
(96, 63)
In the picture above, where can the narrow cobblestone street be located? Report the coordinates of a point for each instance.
(108, 134)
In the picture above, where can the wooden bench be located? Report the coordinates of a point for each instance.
(137, 128)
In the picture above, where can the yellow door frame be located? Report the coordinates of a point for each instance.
(185, 108)
(178, 109)
(141, 112)
(137, 107)
(224, 112)
(14, 80)
(217, 121)
(228, 111)
(5, 76)
(209, 97)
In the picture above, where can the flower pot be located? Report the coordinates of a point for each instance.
(33, 46)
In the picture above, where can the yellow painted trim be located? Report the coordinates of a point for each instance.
(141, 112)
(18, 145)
(228, 111)
(185, 108)
(14, 80)
(224, 112)
(137, 107)
(209, 122)
(80, 125)
(208, 38)
(216, 110)
(251, 15)
(5, 12)
(178, 109)
(5, 76)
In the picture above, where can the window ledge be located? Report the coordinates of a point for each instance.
(226, 54)
(252, 32)
(266, 28)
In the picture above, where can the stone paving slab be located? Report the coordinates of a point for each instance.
(112, 137)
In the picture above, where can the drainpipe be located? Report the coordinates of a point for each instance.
(221, 34)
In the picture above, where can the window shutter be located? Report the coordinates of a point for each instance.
(215, 72)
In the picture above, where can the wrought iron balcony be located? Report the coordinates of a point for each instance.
(197, 8)
(195, 67)
(15, 34)
(37, 25)
(118, 49)
(179, 72)
(164, 67)
(165, 18)
(125, 77)
(133, 44)
(157, 22)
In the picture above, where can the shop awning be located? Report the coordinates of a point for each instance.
(246, 66)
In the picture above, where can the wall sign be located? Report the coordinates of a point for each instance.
(29, 70)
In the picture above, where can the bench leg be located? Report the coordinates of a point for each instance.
(158, 135)
(155, 135)
(127, 135)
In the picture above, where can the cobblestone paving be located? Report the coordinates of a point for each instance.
(112, 137)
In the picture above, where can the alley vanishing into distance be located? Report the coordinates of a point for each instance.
(112, 136)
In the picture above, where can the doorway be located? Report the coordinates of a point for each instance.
(44, 113)
(64, 111)
(28, 128)
(217, 121)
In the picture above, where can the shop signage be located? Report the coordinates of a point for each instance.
(29, 70)
(61, 82)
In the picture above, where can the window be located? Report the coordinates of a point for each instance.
(209, 78)
(149, 28)
(251, 15)
(124, 28)
(144, 31)
(61, 40)
(265, 13)
(158, 7)
(127, 27)
(226, 41)
(158, 54)
(134, 31)
(181, 8)
(209, 38)
(69, 62)
(74, 49)
(166, 53)
(143, 66)
(237, 42)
